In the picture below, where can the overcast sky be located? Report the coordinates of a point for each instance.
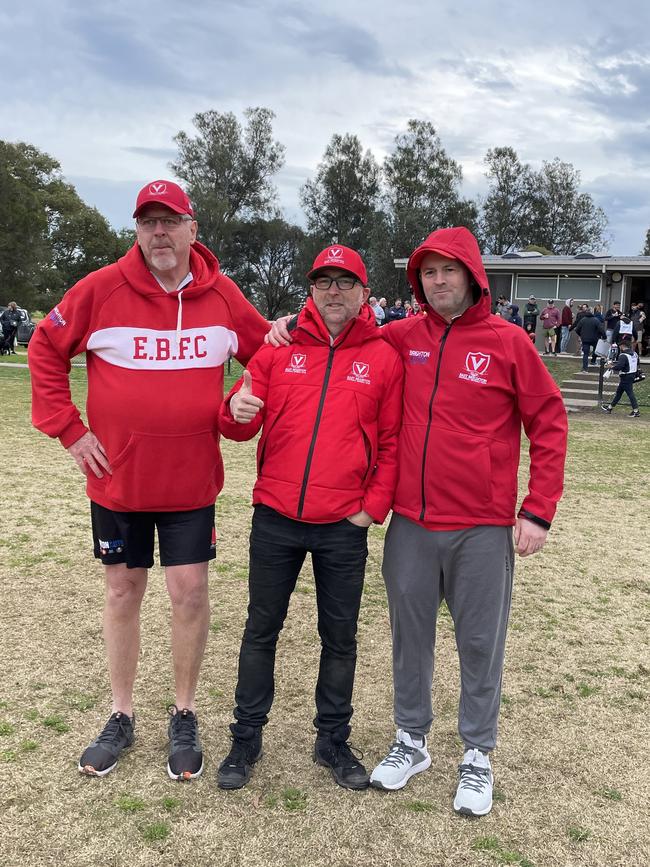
(103, 88)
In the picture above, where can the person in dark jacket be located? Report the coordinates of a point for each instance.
(330, 409)
(396, 312)
(627, 366)
(623, 329)
(515, 318)
(10, 320)
(589, 329)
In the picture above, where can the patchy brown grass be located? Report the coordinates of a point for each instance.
(572, 783)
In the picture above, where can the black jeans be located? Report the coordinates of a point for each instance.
(587, 349)
(278, 547)
(628, 389)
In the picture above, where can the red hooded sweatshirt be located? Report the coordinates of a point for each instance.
(155, 377)
(469, 386)
(331, 419)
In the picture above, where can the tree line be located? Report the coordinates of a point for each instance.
(49, 237)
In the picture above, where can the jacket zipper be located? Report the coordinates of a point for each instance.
(426, 436)
(312, 445)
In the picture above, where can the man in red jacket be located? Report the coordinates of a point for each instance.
(156, 327)
(329, 406)
(471, 381)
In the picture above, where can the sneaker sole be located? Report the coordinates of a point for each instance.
(415, 769)
(89, 771)
(465, 811)
(185, 776)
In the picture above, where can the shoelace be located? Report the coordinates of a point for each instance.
(348, 756)
(183, 727)
(116, 728)
(474, 778)
(398, 754)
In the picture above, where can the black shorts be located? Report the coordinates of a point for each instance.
(128, 537)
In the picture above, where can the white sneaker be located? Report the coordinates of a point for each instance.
(475, 781)
(406, 757)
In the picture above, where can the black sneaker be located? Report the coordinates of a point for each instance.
(605, 407)
(235, 770)
(101, 756)
(634, 414)
(185, 755)
(345, 767)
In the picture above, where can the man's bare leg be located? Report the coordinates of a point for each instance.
(124, 592)
(188, 592)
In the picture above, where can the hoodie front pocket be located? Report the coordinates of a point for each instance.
(169, 472)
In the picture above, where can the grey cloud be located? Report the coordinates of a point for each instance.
(162, 153)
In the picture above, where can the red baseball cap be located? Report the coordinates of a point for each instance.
(164, 193)
(341, 257)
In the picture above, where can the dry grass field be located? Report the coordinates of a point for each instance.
(572, 781)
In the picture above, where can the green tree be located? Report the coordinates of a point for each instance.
(228, 171)
(507, 210)
(49, 238)
(422, 188)
(646, 249)
(564, 219)
(265, 263)
(340, 201)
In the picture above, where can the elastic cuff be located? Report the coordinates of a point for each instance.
(534, 518)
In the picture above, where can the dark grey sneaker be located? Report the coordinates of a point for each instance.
(101, 756)
(236, 769)
(185, 754)
(344, 765)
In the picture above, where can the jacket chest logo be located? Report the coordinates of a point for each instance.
(297, 364)
(360, 373)
(419, 356)
(476, 366)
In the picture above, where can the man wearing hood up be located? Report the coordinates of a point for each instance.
(329, 406)
(471, 382)
(156, 327)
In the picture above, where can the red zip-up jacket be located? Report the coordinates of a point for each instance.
(155, 378)
(469, 386)
(330, 423)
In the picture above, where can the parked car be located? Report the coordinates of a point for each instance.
(26, 327)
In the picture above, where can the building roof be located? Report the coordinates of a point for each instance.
(584, 262)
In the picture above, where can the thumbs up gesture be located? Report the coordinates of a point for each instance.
(244, 406)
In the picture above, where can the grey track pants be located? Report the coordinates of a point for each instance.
(472, 571)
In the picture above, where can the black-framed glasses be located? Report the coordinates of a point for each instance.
(343, 283)
(172, 221)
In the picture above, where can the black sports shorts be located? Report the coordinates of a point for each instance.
(128, 537)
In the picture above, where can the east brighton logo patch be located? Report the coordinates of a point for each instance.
(297, 364)
(360, 373)
(476, 366)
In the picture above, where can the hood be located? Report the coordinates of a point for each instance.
(569, 302)
(455, 243)
(363, 327)
(203, 265)
(515, 309)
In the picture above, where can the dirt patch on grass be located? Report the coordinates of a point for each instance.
(571, 784)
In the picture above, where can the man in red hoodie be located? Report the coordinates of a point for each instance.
(471, 381)
(156, 327)
(329, 406)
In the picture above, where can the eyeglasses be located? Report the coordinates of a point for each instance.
(343, 283)
(148, 224)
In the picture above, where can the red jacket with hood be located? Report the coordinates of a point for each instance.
(155, 377)
(331, 419)
(469, 385)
